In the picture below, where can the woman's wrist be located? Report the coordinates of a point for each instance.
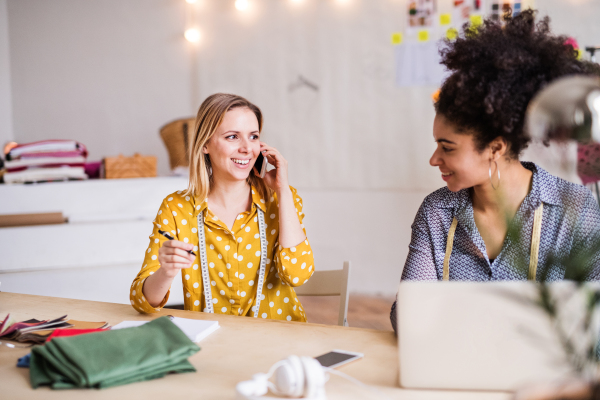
(283, 192)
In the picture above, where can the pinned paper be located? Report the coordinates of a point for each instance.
(423, 36)
(476, 20)
(445, 19)
(579, 54)
(418, 64)
(451, 34)
(396, 38)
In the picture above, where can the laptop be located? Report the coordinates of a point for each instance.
(480, 336)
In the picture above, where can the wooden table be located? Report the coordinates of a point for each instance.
(239, 349)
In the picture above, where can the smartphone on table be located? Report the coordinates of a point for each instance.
(336, 358)
(260, 166)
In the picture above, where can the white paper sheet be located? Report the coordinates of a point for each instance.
(194, 329)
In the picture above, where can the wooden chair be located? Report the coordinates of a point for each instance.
(329, 283)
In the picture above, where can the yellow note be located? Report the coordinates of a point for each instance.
(396, 38)
(579, 54)
(423, 36)
(445, 19)
(476, 20)
(451, 34)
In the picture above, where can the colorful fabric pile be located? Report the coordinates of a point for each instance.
(37, 332)
(45, 161)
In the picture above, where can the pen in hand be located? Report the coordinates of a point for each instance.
(168, 236)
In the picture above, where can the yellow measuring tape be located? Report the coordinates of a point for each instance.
(535, 245)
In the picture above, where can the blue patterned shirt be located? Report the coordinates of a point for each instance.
(570, 223)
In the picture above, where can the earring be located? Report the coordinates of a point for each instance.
(498, 171)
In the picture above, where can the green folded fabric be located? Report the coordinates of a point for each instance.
(112, 358)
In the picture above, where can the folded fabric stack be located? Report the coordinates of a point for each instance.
(44, 161)
(111, 358)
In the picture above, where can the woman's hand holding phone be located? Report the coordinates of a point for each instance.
(277, 178)
(290, 230)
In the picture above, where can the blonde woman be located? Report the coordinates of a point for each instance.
(245, 234)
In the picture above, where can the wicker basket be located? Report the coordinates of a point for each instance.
(129, 167)
(177, 136)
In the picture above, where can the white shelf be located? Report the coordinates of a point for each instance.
(97, 254)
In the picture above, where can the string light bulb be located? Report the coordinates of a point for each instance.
(241, 5)
(192, 35)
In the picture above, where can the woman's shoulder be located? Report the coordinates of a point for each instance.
(273, 202)
(557, 191)
(297, 198)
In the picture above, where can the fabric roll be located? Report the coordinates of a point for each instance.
(112, 358)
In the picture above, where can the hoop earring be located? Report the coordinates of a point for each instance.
(490, 172)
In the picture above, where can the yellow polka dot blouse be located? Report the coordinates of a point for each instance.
(233, 258)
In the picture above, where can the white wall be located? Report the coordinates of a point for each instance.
(6, 128)
(110, 73)
(576, 18)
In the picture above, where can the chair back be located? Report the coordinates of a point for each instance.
(330, 283)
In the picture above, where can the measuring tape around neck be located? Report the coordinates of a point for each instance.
(535, 245)
(204, 263)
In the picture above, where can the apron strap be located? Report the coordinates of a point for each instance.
(449, 244)
(535, 242)
(535, 245)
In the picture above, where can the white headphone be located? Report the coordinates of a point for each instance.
(299, 377)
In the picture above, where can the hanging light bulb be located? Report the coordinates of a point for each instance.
(241, 5)
(191, 1)
(192, 35)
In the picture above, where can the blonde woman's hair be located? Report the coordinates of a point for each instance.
(210, 115)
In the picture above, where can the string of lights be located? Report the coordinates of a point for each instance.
(192, 32)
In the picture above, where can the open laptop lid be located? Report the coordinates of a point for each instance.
(478, 336)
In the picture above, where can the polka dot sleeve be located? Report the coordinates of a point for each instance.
(165, 221)
(295, 265)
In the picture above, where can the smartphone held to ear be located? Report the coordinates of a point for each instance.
(260, 166)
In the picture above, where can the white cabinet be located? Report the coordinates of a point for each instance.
(94, 256)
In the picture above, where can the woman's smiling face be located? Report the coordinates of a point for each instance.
(462, 165)
(234, 146)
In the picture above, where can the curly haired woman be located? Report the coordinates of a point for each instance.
(496, 212)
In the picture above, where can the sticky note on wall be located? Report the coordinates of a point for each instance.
(423, 36)
(396, 38)
(451, 34)
(445, 19)
(476, 20)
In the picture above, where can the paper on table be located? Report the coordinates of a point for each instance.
(194, 329)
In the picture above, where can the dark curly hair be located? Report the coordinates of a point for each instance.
(496, 69)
